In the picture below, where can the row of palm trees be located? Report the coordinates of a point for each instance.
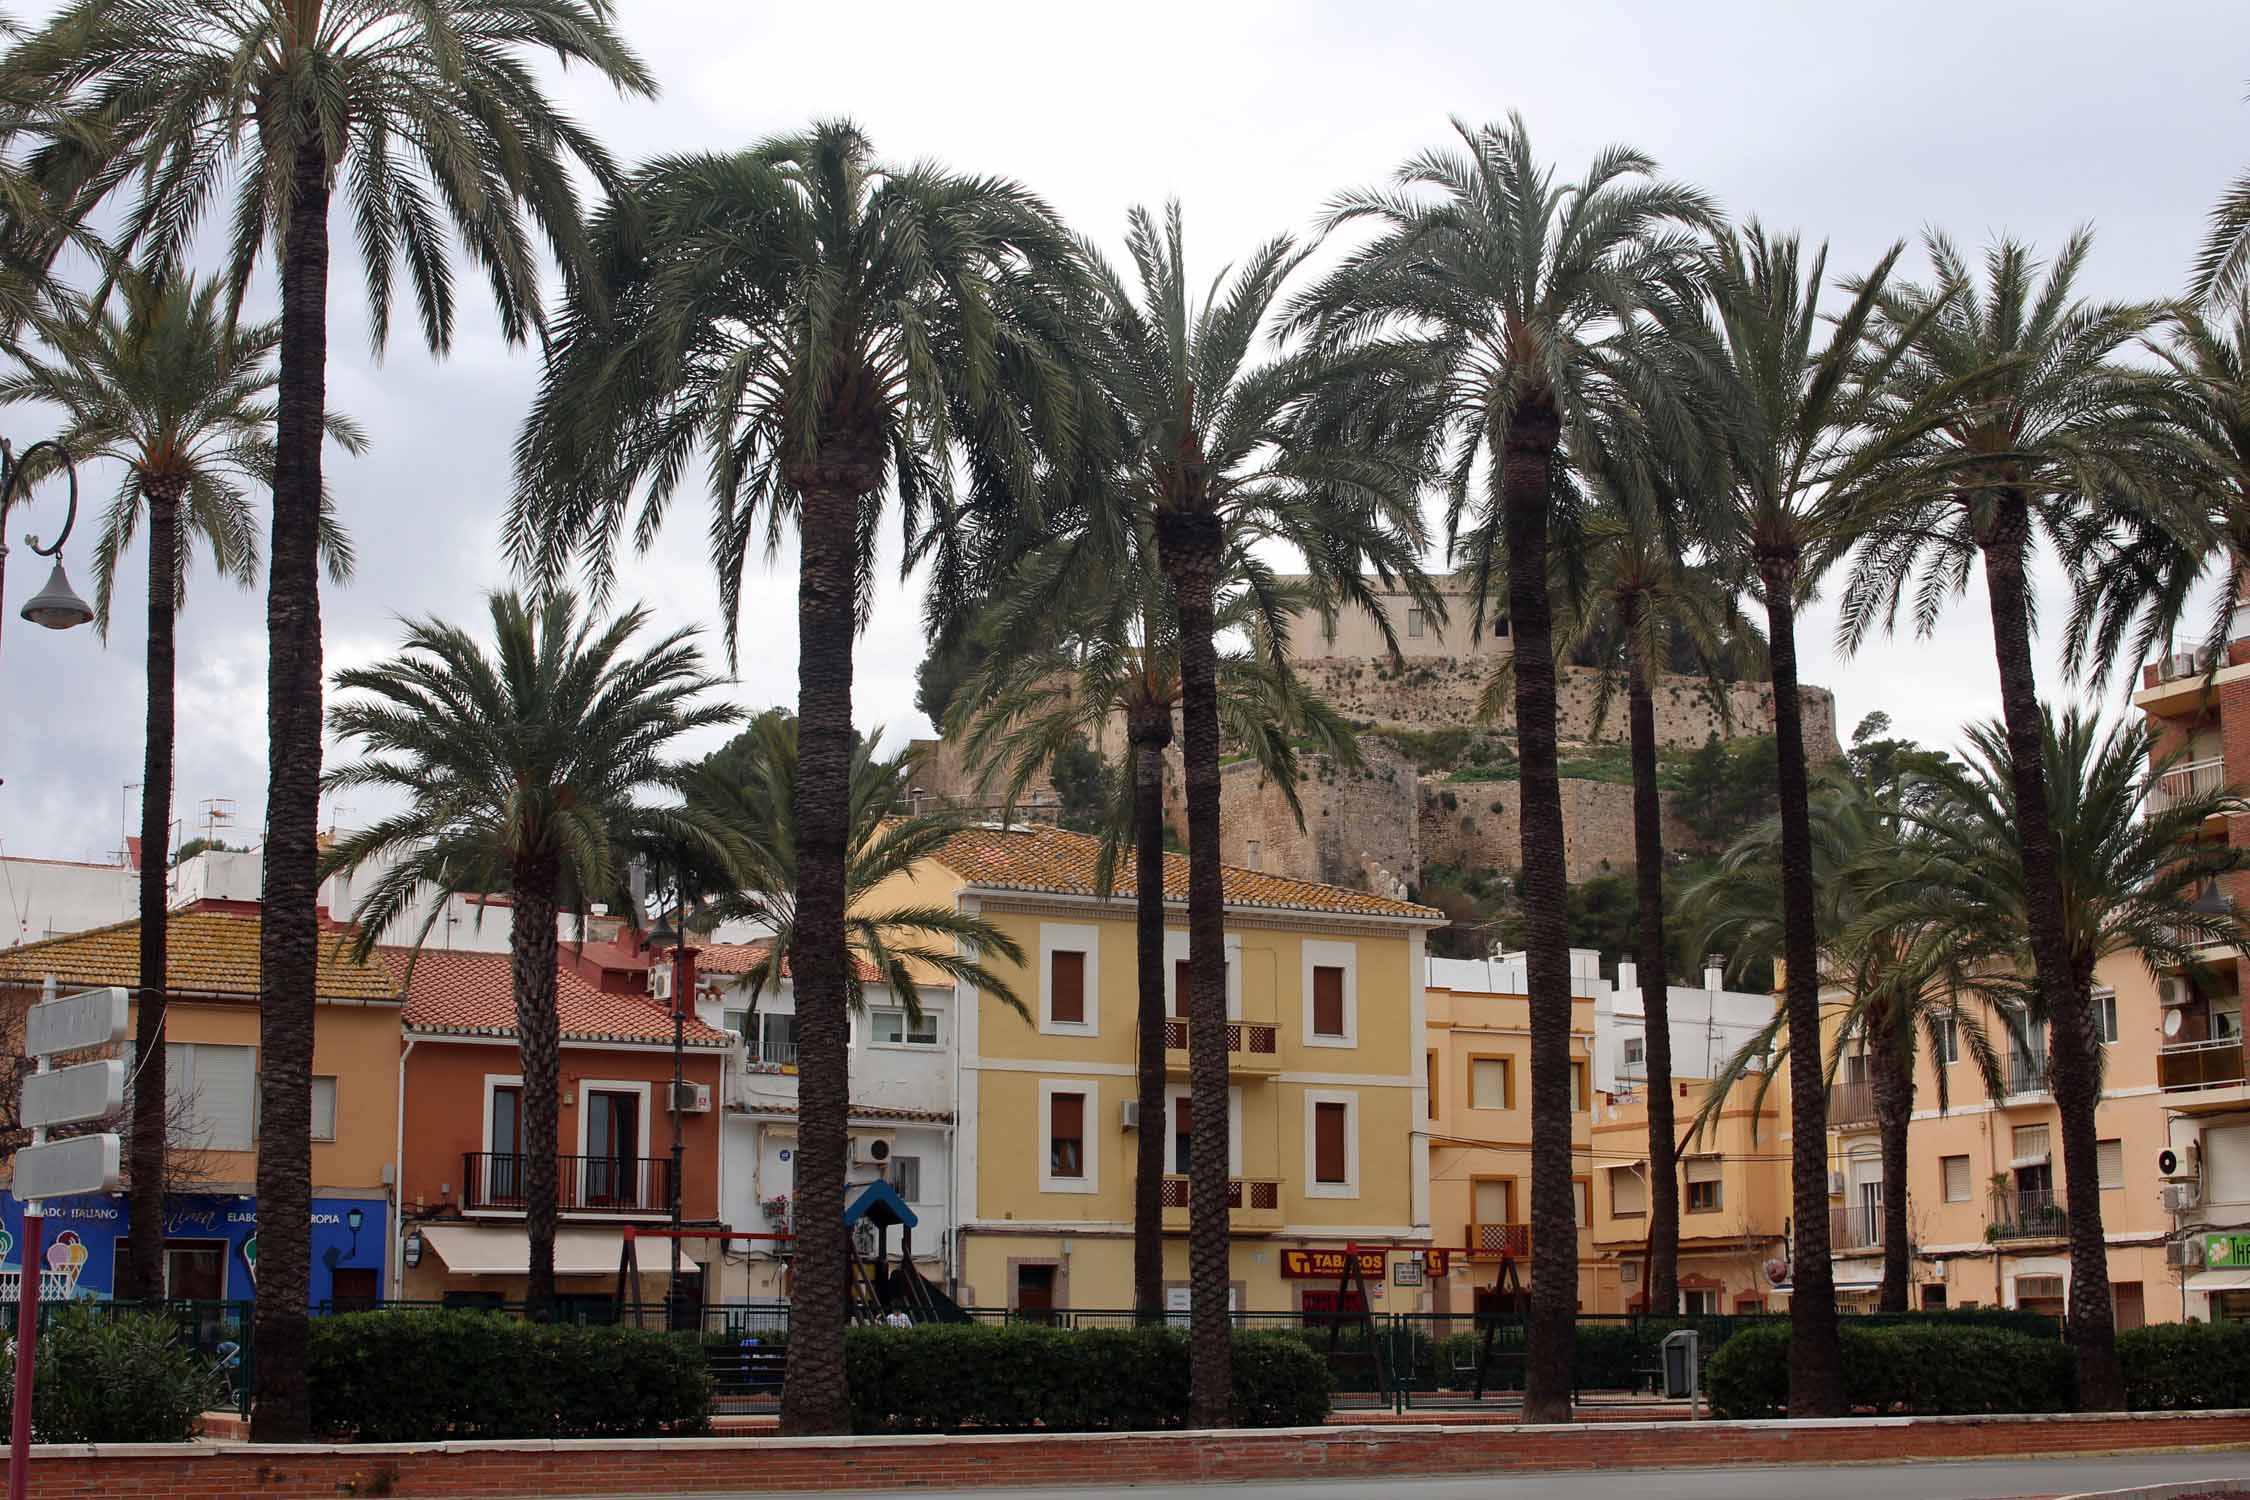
(818, 331)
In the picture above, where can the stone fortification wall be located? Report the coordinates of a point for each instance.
(1361, 829)
(1478, 824)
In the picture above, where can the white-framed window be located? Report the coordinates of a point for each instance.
(1070, 962)
(1635, 1054)
(1069, 1149)
(1417, 622)
(1178, 1113)
(1331, 1143)
(2105, 1015)
(1949, 1041)
(1957, 1179)
(2110, 1157)
(1706, 1192)
(1699, 1302)
(1628, 1193)
(1175, 973)
(1330, 980)
(324, 1107)
(215, 1089)
(906, 1177)
(895, 1028)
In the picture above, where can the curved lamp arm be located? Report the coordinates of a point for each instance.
(16, 466)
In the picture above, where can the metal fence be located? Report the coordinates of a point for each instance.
(219, 1334)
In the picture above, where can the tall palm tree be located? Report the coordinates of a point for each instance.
(2026, 422)
(424, 115)
(1214, 447)
(1630, 602)
(821, 327)
(1073, 655)
(522, 770)
(184, 405)
(1526, 304)
(1788, 406)
(2223, 266)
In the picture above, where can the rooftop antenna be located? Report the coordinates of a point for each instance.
(125, 821)
(218, 815)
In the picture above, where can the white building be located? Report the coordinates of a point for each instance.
(1708, 1024)
(46, 898)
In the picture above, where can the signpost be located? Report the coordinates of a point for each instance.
(59, 1169)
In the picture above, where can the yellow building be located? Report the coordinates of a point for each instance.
(1479, 1067)
(1327, 1112)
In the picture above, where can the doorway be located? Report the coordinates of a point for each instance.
(613, 1147)
(352, 1288)
(1035, 1292)
(195, 1270)
(504, 1167)
(2126, 1304)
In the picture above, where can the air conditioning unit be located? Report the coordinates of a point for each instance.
(873, 1150)
(2175, 992)
(1835, 1184)
(2184, 1254)
(2180, 1197)
(1129, 1114)
(2183, 664)
(692, 1098)
(660, 982)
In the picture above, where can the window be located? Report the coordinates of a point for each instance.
(906, 1177)
(1253, 854)
(214, 1089)
(1183, 1135)
(1069, 1156)
(1069, 978)
(1949, 1041)
(1578, 1091)
(1699, 1302)
(1635, 1054)
(1704, 1189)
(1956, 1173)
(2110, 1155)
(1628, 1195)
(1628, 1271)
(1430, 1080)
(1417, 621)
(1491, 1082)
(1328, 1000)
(1581, 1202)
(2105, 1014)
(1330, 979)
(324, 1108)
(894, 1028)
(1183, 985)
(2030, 1143)
(1493, 1200)
(1331, 1143)
(776, 1043)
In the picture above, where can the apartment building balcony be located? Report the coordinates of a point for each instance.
(2200, 1065)
(1498, 1241)
(2026, 1072)
(2194, 778)
(1253, 1048)
(2028, 1214)
(2175, 684)
(494, 1182)
(1851, 1103)
(1253, 1204)
(766, 1055)
(1858, 1227)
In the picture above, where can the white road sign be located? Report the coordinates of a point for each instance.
(90, 1018)
(64, 1169)
(72, 1096)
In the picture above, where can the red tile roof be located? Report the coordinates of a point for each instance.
(741, 958)
(210, 949)
(473, 994)
(892, 1112)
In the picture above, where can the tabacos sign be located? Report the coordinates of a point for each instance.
(1329, 1265)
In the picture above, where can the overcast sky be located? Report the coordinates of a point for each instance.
(1858, 124)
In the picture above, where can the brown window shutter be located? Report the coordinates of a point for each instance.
(1328, 1143)
(1327, 1001)
(1068, 988)
(1180, 987)
(1066, 1132)
(1183, 1114)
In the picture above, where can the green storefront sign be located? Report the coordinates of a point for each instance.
(2226, 1249)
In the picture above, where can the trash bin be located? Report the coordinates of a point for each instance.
(1680, 1367)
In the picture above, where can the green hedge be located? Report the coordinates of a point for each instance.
(109, 1376)
(1918, 1369)
(418, 1376)
(947, 1377)
(2186, 1366)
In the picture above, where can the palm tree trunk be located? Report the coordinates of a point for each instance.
(814, 1396)
(531, 949)
(1149, 735)
(1649, 951)
(1891, 1080)
(2072, 1056)
(1534, 430)
(1189, 545)
(144, 1241)
(291, 932)
(1816, 1356)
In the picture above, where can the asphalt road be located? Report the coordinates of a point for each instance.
(1983, 1480)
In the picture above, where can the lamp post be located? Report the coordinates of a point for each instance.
(57, 606)
(674, 933)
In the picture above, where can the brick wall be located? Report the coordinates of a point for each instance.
(770, 1465)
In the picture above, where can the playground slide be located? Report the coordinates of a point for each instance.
(921, 1298)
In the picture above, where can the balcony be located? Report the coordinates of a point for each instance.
(1851, 1103)
(763, 1055)
(2027, 1072)
(2028, 1214)
(493, 1182)
(1498, 1241)
(1253, 1047)
(1253, 1204)
(1859, 1227)
(2200, 1065)
(2195, 778)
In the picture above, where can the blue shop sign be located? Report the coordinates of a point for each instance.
(84, 1237)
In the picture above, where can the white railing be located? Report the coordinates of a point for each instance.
(2195, 778)
(54, 1286)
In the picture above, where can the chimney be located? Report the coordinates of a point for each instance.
(1628, 977)
(1714, 978)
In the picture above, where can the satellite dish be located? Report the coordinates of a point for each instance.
(2172, 1022)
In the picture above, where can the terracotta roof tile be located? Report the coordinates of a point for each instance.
(206, 952)
(860, 1112)
(741, 958)
(473, 994)
(1039, 857)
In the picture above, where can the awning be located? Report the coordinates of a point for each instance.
(2232, 1279)
(495, 1250)
(1859, 1281)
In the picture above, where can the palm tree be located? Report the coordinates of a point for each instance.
(1525, 302)
(1214, 449)
(1631, 603)
(2223, 267)
(2024, 421)
(522, 770)
(184, 405)
(751, 795)
(425, 117)
(822, 327)
(1787, 406)
(1073, 655)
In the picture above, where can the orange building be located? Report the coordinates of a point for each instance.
(461, 1181)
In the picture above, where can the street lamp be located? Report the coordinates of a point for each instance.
(57, 606)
